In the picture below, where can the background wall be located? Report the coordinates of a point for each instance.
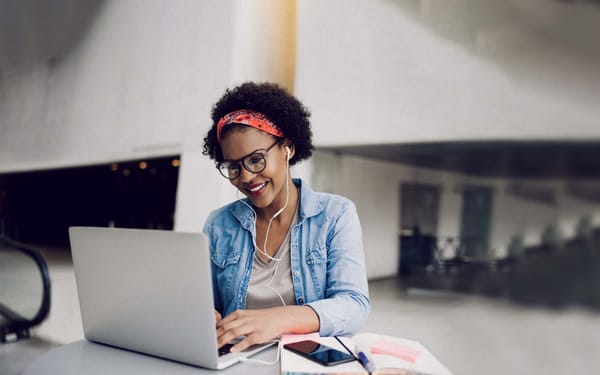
(374, 186)
(138, 82)
(139, 78)
(409, 71)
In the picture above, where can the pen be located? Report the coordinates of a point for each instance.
(368, 365)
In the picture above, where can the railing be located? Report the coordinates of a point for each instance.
(451, 252)
(545, 274)
(14, 325)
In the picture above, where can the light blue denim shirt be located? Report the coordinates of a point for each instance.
(327, 259)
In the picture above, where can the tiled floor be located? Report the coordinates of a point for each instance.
(477, 335)
(470, 335)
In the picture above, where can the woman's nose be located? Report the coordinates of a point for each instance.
(246, 175)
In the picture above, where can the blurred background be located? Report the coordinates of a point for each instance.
(466, 132)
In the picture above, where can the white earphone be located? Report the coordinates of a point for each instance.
(263, 251)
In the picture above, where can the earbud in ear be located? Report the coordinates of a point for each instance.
(287, 150)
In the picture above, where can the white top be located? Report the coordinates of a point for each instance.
(271, 279)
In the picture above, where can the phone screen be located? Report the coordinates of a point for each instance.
(319, 353)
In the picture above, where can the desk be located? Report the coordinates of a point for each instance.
(84, 357)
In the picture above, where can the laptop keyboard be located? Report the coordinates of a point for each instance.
(225, 349)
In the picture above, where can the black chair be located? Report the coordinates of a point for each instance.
(15, 323)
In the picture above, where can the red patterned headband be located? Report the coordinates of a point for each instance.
(249, 118)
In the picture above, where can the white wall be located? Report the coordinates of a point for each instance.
(140, 83)
(373, 187)
(409, 71)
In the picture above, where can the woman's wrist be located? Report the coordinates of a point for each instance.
(298, 319)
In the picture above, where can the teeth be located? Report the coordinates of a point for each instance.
(255, 189)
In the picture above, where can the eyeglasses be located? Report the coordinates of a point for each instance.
(254, 162)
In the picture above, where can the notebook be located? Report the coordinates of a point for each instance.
(149, 291)
(388, 355)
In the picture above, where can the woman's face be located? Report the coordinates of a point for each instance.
(266, 188)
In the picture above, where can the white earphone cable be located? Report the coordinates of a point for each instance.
(262, 362)
(264, 252)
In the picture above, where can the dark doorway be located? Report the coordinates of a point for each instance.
(38, 207)
(476, 220)
(419, 208)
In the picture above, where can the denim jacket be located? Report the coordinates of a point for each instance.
(327, 259)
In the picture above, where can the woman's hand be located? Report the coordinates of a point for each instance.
(260, 326)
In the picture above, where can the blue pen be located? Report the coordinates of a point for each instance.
(368, 365)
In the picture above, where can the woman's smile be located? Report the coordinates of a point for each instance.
(255, 190)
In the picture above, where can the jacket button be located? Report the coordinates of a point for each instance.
(297, 273)
(301, 301)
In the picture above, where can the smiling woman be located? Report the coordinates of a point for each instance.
(285, 259)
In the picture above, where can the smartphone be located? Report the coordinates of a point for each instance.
(319, 353)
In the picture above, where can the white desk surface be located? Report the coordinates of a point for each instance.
(84, 357)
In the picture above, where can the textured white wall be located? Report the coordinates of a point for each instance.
(140, 83)
(405, 71)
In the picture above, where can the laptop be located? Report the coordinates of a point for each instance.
(149, 291)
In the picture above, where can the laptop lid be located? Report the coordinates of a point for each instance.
(148, 291)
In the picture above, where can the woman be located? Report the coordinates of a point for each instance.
(285, 259)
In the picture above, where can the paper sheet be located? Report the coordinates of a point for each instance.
(424, 362)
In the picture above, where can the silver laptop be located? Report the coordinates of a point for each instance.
(149, 291)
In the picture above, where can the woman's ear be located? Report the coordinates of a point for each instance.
(289, 150)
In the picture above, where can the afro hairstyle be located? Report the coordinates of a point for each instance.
(282, 108)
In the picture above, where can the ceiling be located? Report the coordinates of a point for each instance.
(506, 159)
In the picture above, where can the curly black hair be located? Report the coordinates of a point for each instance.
(282, 108)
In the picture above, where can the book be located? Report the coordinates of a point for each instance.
(389, 355)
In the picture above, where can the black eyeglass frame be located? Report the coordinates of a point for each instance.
(261, 152)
